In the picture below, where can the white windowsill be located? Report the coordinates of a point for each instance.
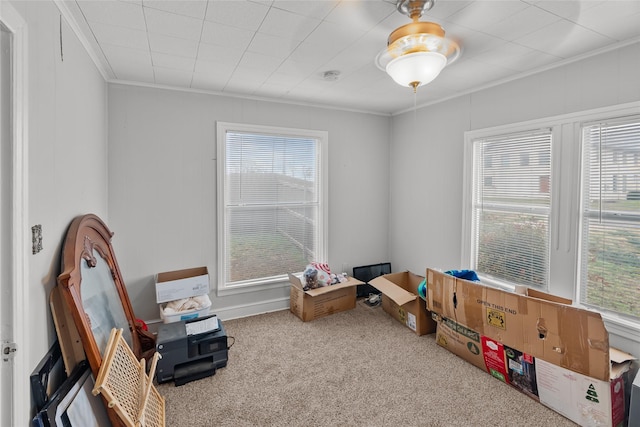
(622, 327)
(253, 287)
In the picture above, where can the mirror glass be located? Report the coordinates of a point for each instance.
(102, 303)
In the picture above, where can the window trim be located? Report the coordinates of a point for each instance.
(566, 154)
(473, 168)
(586, 214)
(323, 180)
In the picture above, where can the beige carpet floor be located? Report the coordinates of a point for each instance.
(355, 368)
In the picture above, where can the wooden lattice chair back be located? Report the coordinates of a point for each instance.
(126, 387)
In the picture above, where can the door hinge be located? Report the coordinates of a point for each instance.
(8, 351)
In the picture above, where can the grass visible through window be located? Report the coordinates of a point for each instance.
(614, 268)
(256, 255)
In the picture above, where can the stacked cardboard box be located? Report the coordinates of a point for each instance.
(180, 284)
(556, 353)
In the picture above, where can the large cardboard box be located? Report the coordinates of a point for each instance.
(315, 303)
(459, 340)
(178, 284)
(556, 353)
(401, 301)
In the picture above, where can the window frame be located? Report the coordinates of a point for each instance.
(478, 167)
(588, 213)
(566, 216)
(322, 138)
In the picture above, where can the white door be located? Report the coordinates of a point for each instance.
(6, 291)
(14, 371)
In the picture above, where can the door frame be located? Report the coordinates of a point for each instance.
(18, 260)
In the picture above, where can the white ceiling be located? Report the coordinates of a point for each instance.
(279, 49)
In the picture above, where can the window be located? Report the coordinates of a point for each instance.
(568, 220)
(610, 265)
(271, 204)
(511, 209)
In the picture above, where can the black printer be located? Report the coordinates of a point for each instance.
(190, 349)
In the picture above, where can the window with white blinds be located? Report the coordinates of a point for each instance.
(511, 207)
(610, 249)
(271, 196)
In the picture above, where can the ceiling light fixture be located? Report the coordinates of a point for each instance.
(416, 52)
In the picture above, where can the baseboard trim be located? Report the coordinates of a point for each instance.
(246, 310)
(237, 311)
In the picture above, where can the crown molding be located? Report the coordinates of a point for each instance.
(248, 97)
(567, 61)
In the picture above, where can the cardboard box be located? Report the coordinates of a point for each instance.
(556, 353)
(583, 399)
(320, 302)
(174, 285)
(401, 301)
(460, 340)
(184, 314)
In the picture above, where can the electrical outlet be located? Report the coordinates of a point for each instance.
(36, 238)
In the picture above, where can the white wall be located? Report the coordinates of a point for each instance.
(67, 156)
(427, 149)
(426, 186)
(162, 186)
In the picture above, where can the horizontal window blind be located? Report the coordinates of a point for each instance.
(272, 203)
(511, 207)
(610, 264)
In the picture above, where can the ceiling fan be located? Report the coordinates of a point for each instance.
(418, 51)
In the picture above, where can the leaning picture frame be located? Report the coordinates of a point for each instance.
(73, 404)
(47, 376)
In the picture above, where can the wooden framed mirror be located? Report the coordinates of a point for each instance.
(92, 288)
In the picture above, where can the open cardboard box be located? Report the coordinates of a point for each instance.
(401, 301)
(315, 303)
(554, 352)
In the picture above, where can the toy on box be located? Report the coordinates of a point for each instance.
(317, 275)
